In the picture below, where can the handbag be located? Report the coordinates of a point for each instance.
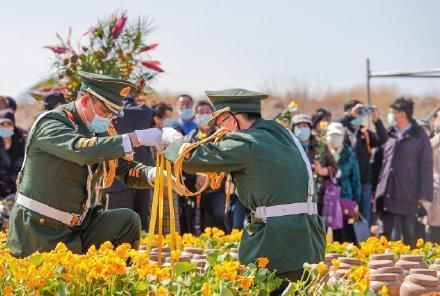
(349, 208)
(331, 209)
(361, 229)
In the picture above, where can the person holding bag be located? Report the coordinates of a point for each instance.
(348, 178)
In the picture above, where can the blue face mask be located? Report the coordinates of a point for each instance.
(302, 133)
(357, 121)
(99, 124)
(6, 132)
(186, 114)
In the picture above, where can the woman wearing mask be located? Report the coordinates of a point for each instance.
(323, 164)
(433, 213)
(348, 176)
(12, 143)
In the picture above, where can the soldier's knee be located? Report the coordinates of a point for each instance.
(132, 219)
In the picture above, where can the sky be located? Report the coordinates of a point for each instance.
(254, 44)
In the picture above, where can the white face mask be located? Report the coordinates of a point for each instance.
(335, 140)
(202, 120)
(391, 118)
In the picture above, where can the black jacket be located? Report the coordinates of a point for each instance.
(406, 174)
(357, 140)
(10, 163)
(135, 118)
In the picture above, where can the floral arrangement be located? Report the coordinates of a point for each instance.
(112, 47)
(123, 271)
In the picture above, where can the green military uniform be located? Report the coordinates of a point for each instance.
(268, 169)
(64, 162)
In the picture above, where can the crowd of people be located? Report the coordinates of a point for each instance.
(389, 176)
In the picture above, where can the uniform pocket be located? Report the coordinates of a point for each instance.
(43, 221)
(72, 174)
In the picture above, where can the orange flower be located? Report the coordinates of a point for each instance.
(8, 290)
(262, 262)
(246, 282)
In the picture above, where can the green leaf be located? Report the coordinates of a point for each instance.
(212, 257)
(137, 41)
(182, 267)
(36, 260)
(226, 291)
(141, 287)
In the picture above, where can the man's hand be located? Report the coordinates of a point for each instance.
(148, 137)
(355, 110)
(375, 115)
(169, 135)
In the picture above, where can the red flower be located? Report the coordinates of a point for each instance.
(57, 49)
(153, 65)
(149, 47)
(118, 27)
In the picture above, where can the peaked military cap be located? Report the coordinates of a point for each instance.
(234, 100)
(111, 91)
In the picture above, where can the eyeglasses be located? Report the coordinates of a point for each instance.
(220, 124)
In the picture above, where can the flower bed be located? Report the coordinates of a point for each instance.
(122, 271)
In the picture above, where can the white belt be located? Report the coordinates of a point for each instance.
(69, 219)
(310, 208)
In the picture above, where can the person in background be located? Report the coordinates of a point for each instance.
(426, 126)
(348, 176)
(321, 115)
(405, 184)
(212, 202)
(119, 195)
(12, 104)
(162, 115)
(323, 163)
(12, 145)
(362, 140)
(185, 105)
(434, 211)
(53, 100)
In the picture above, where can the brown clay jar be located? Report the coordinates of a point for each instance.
(419, 284)
(395, 270)
(350, 261)
(193, 250)
(415, 258)
(377, 281)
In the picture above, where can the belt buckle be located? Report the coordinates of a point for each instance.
(260, 213)
(76, 220)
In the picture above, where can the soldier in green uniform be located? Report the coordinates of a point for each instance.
(68, 155)
(273, 178)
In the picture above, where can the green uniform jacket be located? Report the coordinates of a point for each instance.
(55, 174)
(267, 169)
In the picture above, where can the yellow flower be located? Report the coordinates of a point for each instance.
(262, 262)
(322, 268)
(8, 291)
(227, 270)
(175, 255)
(206, 289)
(336, 264)
(384, 291)
(161, 291)
(420, 243)
(323, 125)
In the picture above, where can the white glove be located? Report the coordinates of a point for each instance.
(151, 178)
(149, 137)
(169, 135)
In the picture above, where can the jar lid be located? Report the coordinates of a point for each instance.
(407, 264)
(375, 264)
(389, 277)
(394, 269)
(382, 257)
(423, 280)
(351, 261)
(423, 271)
(414, 258)
(197, 256)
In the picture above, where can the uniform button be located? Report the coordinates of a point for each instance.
(391, 169)
(385, 209)
(42, 221)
